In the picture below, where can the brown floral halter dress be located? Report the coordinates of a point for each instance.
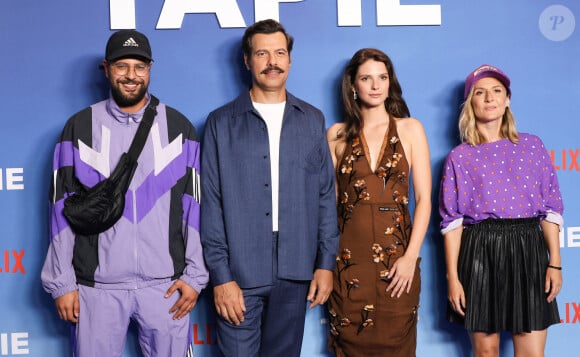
(375, 224)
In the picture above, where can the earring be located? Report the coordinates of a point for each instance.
(354, 95)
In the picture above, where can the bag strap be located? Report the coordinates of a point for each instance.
(143, 131)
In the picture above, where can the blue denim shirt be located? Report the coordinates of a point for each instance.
(236, 222)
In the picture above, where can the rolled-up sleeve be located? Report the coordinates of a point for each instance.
(550, 190)
(449, 210)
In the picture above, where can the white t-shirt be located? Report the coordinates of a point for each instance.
(273, 115)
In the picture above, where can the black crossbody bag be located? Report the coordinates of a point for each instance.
(95, 210)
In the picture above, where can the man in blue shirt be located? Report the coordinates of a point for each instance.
(269, 227)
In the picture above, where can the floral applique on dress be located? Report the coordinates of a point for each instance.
(375, 224)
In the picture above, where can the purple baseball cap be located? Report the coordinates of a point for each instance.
(484, 71)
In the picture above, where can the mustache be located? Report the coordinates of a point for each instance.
(272, 68)
(130, 81)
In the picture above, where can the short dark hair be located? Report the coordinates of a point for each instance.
(264, 27)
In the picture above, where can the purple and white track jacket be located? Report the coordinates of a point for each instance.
(157, 239)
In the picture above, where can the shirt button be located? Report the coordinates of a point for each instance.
(267, 213)
(266, 185)
(265, 156)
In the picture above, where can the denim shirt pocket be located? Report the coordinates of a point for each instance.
(313, 160)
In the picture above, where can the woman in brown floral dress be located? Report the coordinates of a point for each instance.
(374, 304)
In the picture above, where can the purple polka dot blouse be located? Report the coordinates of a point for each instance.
(499, 180)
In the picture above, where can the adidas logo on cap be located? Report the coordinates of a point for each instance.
(130, 43)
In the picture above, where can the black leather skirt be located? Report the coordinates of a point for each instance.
(502, 266)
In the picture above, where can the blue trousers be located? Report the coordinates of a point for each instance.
(273, 322)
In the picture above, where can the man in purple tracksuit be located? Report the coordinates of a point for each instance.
(149, 266)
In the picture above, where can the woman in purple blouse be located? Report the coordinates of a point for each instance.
(501, 212)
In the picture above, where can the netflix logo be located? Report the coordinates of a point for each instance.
(204, 334)
(565, 160)
(571, 313)
(11, 261)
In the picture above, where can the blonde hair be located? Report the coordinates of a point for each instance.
(468, 130)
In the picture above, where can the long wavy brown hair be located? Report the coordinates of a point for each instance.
(395, 104)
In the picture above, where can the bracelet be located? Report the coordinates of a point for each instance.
(554, 267)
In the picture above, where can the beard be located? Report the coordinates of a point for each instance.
(124, 100)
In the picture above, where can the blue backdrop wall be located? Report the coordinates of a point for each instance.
(49, 56)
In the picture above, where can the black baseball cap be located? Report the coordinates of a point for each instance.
(128, 43)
